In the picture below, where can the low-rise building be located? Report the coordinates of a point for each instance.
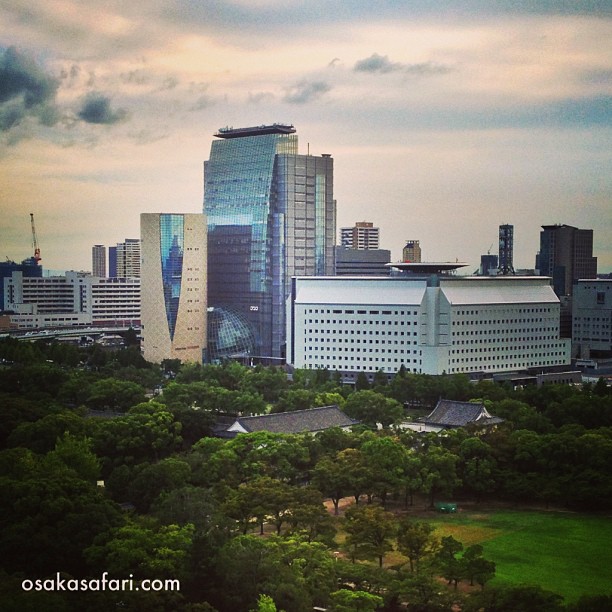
(426, 320)
(310, 421)
(75, 299)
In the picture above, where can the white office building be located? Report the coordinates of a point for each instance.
(428, 321)
(75, 299)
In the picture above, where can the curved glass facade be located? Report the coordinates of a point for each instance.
(229, 335)
(171, 242)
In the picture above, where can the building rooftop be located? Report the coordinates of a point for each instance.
(259, 130)
(449, 413)
(296, 421)
(434, 267)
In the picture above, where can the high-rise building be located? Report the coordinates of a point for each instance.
(271, 215)
(98, 260)
(412, 251)
(566, 255)
(506, 249)
(173, 286)
(128, 258)
(362, 236)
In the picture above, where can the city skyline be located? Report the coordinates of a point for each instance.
(444, 122)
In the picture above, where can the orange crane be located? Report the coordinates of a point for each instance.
(37, 257)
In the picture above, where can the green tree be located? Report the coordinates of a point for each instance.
(476, 568)
(438, 472)
(417, 541)
(142, 550)
(372, 408)
(370, 531)
(114, 395)
(330, 477)
(354, 601)
(385, 458)
(521, 598)
(450, 565)
(150, 481)
(478, 466)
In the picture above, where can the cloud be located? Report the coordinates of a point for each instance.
(376, 63)
(25, 90)
(96, 108)
(382, 64)
(305, 91)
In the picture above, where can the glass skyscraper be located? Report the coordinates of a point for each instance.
(271, 215)
(173, 282)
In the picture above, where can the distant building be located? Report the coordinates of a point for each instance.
(449, 414)
(362, 236)
(566, 255)
(74, 299)
(112, 261)
(412, 251)
(364, 262)
(271, 215)
(506, 249)
(98, 260)
(427, 321)
(128, 258)
(29, 268)
(312, 421)
(592, 318)
(174, 304)
(488, 265)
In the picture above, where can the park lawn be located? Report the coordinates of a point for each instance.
(567, 553)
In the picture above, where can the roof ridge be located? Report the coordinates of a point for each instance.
(276, 414)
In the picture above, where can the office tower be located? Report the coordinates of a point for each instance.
(506, 249)
(271, 215)
(173, 286)
(412, 252)
(98, 260)
(128, 258)
(566, 255)
(362, 236)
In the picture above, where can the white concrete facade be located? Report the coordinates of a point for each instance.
(187, 339)
(429, 325)
(71, 300)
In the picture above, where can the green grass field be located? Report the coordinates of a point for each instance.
(567, 553)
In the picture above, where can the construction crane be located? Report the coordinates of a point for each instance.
(37, 257)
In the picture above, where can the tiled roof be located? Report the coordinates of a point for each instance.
(298, 421)
(449, 413)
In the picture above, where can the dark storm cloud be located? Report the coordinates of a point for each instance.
(306, 91)
(25, 90)
(96, 108)
(381, 64)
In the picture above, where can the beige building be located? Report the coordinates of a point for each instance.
(173, 277)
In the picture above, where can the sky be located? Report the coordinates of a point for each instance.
(445, 119)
